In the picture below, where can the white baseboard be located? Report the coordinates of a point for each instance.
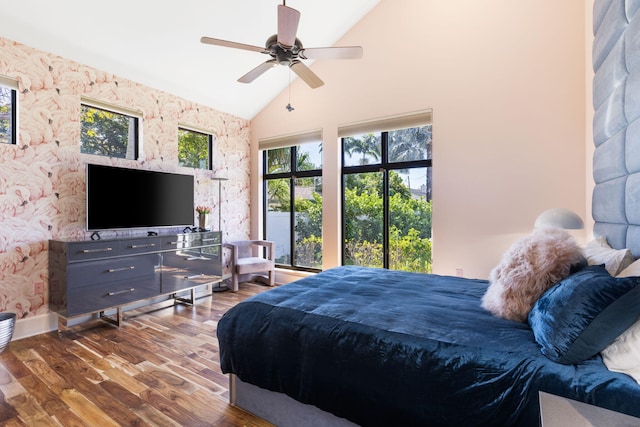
(36, 325)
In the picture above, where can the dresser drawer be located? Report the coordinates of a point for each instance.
(138, 246)
(81, 251)
(83, 274)
(211, 238)
(169, 243)
(193, 262)
(90, 299)
(191, 240)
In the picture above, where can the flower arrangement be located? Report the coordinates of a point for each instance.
(203, 210)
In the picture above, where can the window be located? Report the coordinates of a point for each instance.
(8, 111)
(195, 149)
(387, 199)
(109, 133)
(293, 204)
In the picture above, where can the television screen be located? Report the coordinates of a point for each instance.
(134, 198)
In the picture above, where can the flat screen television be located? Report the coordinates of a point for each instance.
(120, 198)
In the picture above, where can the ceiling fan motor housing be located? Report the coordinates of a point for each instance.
(283, 54)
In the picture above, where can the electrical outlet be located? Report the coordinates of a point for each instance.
(459, 272)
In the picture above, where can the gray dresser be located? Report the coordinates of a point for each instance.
(92, 276)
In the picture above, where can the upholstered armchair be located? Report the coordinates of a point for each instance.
(247, 261)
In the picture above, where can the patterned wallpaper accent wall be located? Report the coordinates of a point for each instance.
(42, 177)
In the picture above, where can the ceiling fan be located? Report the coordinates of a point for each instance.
(286, 49)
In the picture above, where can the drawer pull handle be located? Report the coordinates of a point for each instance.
(194, 276)
(126, 291)
(115, 270)
(88, 251)
(173, 243)
(149, 245)
(213, 239)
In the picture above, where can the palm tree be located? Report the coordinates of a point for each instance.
(412, 144)
(279, 160)
(366, 145)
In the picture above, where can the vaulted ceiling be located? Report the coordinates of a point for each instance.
(158, 43)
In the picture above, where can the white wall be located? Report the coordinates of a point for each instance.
(506, 82)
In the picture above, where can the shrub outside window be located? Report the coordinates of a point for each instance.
(108, 133)
(195, 149)
(293, 204)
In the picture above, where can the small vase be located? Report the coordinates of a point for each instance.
(202, 221)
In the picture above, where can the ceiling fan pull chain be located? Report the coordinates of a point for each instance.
(289, 107)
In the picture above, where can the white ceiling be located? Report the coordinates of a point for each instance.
(157, 43)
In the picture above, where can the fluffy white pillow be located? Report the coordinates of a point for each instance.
(531, 266)
(598, 251)
(631, 271)
(623, 354)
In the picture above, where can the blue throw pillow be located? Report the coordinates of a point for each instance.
(582, 314)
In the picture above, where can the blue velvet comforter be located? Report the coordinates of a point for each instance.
(382, 347)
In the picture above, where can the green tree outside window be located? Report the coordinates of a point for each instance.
(194, 149)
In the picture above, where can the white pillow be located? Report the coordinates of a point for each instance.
(599, 252)
(632, 270)
(623, 354)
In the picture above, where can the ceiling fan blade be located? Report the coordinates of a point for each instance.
(306, 74)
(288, 19)
(258, 71)
(226, 43)
(343, 52)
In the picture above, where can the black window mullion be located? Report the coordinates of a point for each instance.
(210, 152)
(136, 127)
(385, 199)
(265, 194)
(292, 221)
(14, 116)
(292, 198)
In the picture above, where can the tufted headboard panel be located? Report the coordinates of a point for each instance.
(616, 124)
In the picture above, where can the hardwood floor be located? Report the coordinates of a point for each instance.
(161, 368)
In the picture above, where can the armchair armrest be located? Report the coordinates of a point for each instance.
(234, 252)
(267, 244)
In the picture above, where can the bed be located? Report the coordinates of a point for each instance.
(373, 347)
(379, 347)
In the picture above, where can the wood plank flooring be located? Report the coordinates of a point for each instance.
(161, 368)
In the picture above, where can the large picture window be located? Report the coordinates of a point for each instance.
(8, 112)
(108, 133)
(195, 149)
(387, 199)
(293, 204)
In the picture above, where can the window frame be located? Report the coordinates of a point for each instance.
(384, 166)
(12, 85)
(131, 114)
(292, 175)
(210, 144)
